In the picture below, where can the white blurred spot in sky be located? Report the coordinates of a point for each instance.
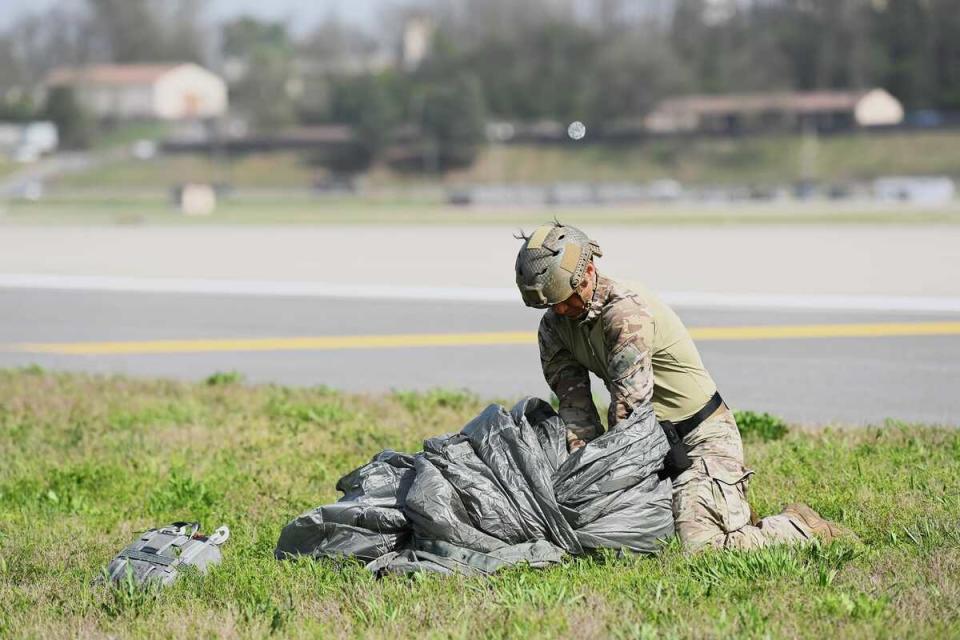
(576, 130)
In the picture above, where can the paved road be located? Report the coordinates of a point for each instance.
(760, 259)
(109, 285)
(818, 380)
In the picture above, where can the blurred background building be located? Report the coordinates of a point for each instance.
(759, 97)
(822, 110)
(144, 91)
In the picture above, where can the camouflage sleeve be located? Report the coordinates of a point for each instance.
(571, 382)
(628, 329)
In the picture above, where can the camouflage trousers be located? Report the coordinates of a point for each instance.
(710, 505)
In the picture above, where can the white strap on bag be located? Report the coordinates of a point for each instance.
(220, 536)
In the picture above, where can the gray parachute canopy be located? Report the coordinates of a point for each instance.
(501, 491)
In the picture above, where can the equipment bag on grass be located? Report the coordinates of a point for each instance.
(158, 554)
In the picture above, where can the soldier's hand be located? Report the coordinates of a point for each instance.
(576, 444)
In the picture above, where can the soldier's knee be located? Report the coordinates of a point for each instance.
(695, 538)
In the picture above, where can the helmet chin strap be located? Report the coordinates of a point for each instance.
(588, 306)
(579, 293)
(580, 287)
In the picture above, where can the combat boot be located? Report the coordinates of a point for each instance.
(820, 526)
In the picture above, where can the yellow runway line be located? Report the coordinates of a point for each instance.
(875, 330)
(319, 343)
(410, 340)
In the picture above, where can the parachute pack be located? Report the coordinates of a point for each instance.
(158, 554)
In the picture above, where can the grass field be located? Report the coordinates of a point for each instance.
(90, 461)
(760, 160)
(7, 167)
(278, 187)
(279, 170)
(418, 207)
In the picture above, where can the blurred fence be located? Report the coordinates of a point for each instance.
(924, 190)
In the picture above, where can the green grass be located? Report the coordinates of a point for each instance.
(7, 167)
(125, 134)
(278, 170)
(761, 160)
(89, 461)
(748, 160)
(224, 377)
(429, 209)
(760, 426)
(275, 188)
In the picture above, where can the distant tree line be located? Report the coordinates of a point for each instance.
(615, 58)
(606, 61)
(600, 61)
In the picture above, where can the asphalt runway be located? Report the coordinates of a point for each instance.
(815, 380)
(846, 324)
(853, 259)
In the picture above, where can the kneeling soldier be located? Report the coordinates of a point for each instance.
(641, 350)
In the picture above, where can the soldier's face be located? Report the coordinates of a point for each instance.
(572, 307)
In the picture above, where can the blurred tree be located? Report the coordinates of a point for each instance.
(243, 36)
(824, 43)
(336, 47)
(558, 59)
(945, 52)
(919, 45)
(368, 103)
(10, 72)
(330, 58)
(150, 30)
(130, 29)
(633, 73)
(264, 84)
(73, 124)
(16, 106)
(452, 121)
(186, 33)
(542, 73)
(37, 43)
(727, 54)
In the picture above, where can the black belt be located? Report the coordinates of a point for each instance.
(677, 460)
(687, 425)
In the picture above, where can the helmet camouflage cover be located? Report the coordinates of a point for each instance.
(552, 262)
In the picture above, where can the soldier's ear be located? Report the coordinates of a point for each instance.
(587, 278)
(588, 273)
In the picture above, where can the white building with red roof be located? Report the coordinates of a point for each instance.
(145, 91)
(772, 111)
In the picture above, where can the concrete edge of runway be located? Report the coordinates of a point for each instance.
(300, 288)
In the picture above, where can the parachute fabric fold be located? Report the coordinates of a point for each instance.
(502, 491)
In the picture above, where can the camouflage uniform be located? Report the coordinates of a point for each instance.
(642, 352)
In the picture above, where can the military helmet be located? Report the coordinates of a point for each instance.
(551, 263)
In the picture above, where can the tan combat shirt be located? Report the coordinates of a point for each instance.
(634, 343)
